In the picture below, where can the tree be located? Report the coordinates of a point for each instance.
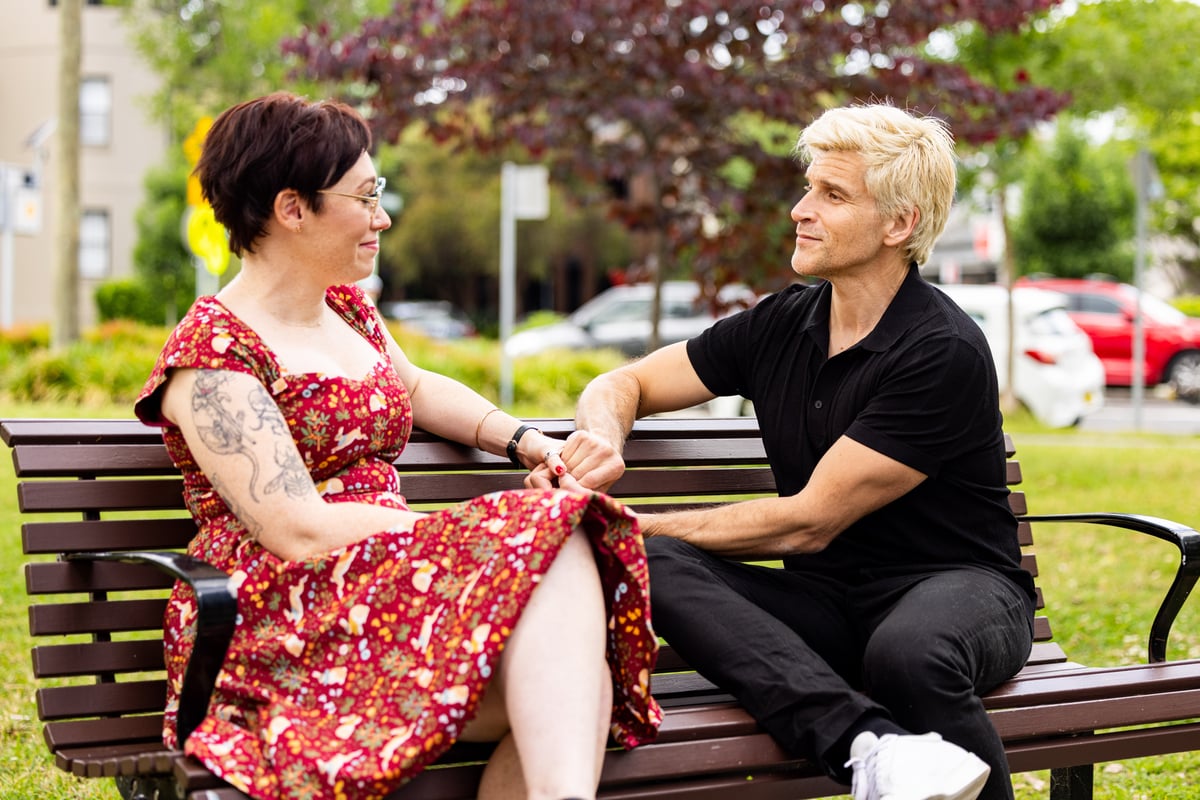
(160, 261)
(445, 238)
(687, 108)
(1076, 216)
(211, 54)
(65, 328)
(1135, 62)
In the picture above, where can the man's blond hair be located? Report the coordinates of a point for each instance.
(909, 159)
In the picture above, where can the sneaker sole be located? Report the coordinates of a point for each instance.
(966, 781)
(975, 772)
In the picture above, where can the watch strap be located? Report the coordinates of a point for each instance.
(511, 447)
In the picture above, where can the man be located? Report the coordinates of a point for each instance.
(902, 598)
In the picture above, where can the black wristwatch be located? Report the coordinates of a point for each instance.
(511, 448)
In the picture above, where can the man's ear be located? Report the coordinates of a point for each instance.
(902, 227)
(290, 209)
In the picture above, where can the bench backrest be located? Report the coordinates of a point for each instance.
(88, 485)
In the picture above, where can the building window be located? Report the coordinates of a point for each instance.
(95, 112)
(95, 245)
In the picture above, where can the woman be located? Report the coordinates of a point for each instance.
(371, 637)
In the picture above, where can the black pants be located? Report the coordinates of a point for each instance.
(812, 658)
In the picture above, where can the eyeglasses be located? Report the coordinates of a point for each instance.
(372, 199)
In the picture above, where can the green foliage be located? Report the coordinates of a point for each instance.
(1189, 304)
(543, 385)
(540, 319)
(687, 111)
(1136, 62)
(211, 55)
(1076, 215)
(109, 364)
(160, 258)
(445, 240)
(127, 299)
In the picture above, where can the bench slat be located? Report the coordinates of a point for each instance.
(137, 758)
(58, 577)
(45, 538)
(145, 729)
(1088, 683)
(101, 699)
(98, 616)
(53, 461)
(97, 658)
(1096, 714)
(108, 495)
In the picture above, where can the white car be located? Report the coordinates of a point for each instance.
(619, 318)
(1058, 376)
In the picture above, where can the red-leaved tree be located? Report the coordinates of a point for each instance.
(686, 109)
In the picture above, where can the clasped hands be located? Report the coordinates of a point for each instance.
(586, 462)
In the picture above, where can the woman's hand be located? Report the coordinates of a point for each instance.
(586, 462)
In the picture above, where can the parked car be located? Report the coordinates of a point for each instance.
(437, 319)
(1105, 310)
(1058, 376)
(619, 318)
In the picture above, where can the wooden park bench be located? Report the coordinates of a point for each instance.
(96, 493)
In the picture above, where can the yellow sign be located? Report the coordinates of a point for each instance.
(192, 146)
(206, 239)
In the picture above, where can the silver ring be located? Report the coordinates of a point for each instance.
(548, 453)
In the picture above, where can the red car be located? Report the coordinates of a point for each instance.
(1105, 309)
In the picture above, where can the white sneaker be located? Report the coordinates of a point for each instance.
(914, 768)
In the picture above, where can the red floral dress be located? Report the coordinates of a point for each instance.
(350, 672)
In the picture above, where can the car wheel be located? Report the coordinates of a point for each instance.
(1184, 376)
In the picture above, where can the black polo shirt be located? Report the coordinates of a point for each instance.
(920, 388)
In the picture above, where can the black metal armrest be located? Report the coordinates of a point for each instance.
(216, 605)
(1183, 537)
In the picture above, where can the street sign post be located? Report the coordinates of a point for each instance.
(524, 194)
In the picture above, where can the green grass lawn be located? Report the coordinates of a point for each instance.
(1102, 587)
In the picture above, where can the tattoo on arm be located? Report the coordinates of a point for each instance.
(221, 430)
(267, 413)
(252, 525)
(293, 477)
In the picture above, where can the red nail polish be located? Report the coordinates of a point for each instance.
(559, 470)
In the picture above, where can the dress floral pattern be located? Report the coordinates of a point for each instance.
(350, 672)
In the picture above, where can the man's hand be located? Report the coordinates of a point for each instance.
(590, 462)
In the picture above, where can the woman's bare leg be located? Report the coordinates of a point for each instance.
(555, 688)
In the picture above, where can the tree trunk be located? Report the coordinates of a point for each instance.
(1008, 270)
(65, 325)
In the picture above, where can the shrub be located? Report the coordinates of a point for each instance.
(110, 363)
(107, 365)
(128, 299)
(1188, 304)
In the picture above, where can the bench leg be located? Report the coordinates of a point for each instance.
(1071, 783)
(147, 787)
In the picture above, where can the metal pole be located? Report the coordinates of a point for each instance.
(508, 275)
(1141, 180)
(7, 221)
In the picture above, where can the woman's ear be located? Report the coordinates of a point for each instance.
(902, 227)
(290, 210)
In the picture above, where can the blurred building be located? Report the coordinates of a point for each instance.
(971, 247)
(119, 144)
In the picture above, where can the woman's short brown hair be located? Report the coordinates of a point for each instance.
(260, 147)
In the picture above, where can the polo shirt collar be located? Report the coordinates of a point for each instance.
(910, 300)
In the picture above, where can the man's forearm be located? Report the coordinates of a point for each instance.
(608, 407)
(764, 528)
